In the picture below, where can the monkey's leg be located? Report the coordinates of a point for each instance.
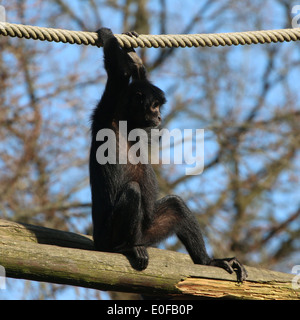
(126, 226)
(173, 216)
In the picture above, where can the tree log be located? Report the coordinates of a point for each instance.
(43, 254)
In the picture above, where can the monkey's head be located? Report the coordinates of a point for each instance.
(144, 104)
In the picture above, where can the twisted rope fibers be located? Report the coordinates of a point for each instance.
(170, 40)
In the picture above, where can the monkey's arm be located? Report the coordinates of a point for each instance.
(115, 59)
(116, 63)
(120, 62)
(137, 67)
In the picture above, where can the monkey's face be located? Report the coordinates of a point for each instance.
(145, 102)
(144, 111)
(153, 115)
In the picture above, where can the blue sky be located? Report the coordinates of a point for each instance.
(248, 59)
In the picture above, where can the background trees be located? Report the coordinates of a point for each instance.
(246, 98)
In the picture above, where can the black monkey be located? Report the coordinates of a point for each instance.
(127, 215)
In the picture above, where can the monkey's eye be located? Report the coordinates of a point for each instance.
(155, 105)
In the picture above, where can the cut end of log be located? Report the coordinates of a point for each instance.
(212, 288)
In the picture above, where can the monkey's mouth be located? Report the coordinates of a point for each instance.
(153, 122)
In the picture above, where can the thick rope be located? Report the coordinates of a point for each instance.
(171, 40)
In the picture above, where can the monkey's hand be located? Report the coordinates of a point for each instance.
(136, 65)
(231, 265)
(104, 34)
(130, 51)
(131, 34)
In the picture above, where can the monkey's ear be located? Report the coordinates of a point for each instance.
(139, 96)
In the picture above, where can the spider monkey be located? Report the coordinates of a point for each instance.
(127, 214)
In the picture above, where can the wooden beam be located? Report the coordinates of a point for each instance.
(42, 254)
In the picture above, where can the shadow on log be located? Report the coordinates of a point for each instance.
(43, 254)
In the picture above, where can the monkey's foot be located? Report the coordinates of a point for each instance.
(137, 255)
(141, 257)
(231, 265)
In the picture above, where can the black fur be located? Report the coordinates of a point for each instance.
(127, 215)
